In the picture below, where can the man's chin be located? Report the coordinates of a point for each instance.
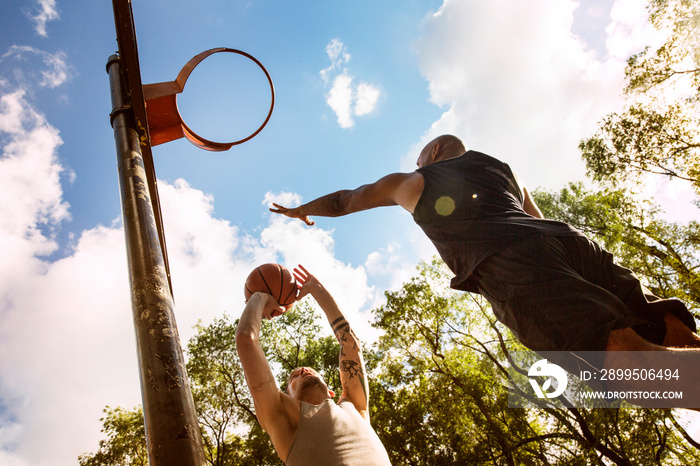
(311, 385)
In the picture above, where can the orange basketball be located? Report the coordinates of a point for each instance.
(275, 280)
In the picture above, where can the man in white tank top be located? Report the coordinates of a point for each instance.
(305, 425)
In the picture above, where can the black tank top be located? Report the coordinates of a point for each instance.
(471, 208)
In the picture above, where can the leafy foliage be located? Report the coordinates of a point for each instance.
(125, 444)
(665, 255)
(658, 133)
(440, 394)
(438, 390)
(678, 57)
(438, 379)
(221, 396)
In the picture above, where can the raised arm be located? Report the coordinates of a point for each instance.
(353, 376)
(529, 205)
(277, 412)
(402, 189)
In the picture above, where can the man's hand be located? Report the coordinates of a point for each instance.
(308, 283)
(270, 307)
(291, 213)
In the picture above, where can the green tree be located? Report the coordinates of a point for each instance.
(218, 384)
(230, 430)
(658, 131)
(440, 393)
(221, 397)
(125, 444)
(439, 390)
(665, 255)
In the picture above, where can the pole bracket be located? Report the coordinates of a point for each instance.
(117, 111)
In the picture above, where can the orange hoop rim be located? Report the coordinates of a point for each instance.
(181, 79)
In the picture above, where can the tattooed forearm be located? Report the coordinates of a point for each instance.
(354, 369)
(351, 365)
(339, 324)
(343, 333)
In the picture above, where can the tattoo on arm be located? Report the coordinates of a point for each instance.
(352, 367)
(339, 324)
(339, 328)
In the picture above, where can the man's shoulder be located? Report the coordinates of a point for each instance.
(474, 155)
(403, 189)
(347, 405)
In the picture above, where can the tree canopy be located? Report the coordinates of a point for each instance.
(438, 374)
(658, 132)
(438, 392)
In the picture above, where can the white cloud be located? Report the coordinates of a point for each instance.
(340, 98)
(61, 349)
(338, 55)
(58, 72)
(284, 199)
(69, 321)
(31, 207)
(346, 99)
(67, 344)
(47, 12)
(21, 62)
(390, 266)
(29, 187)
(67, 348)
(629, 30)
(516, 83)
(28, 168)
(366, 99)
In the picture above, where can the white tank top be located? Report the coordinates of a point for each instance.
(331, 434)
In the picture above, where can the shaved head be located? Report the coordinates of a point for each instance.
(442, 147)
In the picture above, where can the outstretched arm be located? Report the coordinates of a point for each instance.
(277, 412)
(353, 376)
(402, 189)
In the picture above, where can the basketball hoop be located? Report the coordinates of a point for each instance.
(164, 120)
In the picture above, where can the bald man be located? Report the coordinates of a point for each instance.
(553, 287)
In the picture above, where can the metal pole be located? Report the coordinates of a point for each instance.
(172, 429)
(131, 87)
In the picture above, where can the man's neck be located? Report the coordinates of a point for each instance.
(450, 157)
(314, 399)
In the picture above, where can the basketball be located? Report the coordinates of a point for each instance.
(273, 279)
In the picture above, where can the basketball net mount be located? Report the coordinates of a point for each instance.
(165, 123)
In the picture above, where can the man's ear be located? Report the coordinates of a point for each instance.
(435, 151)
(331, 393)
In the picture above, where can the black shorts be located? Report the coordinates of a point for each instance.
(566, 294)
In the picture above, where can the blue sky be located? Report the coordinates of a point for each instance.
(360, 88)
